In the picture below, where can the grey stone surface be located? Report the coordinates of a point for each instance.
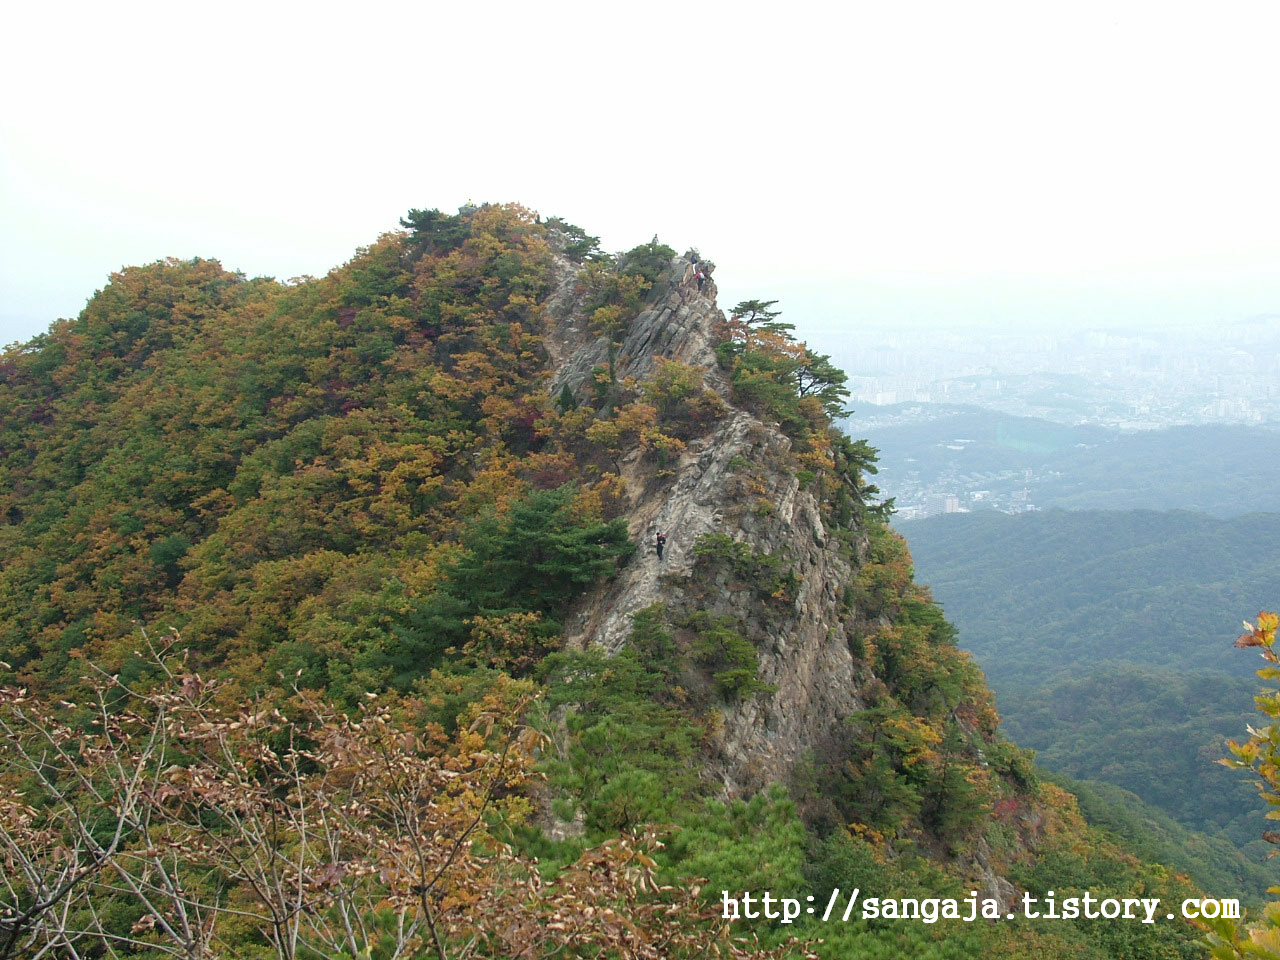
(803, 651)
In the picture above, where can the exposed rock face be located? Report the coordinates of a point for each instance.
(800, 641)
(802, 649)
(676, 324)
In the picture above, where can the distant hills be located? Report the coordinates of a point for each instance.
(1035, 594)
(1153, 731)
(1107, 638)
(931, 450)
(1099, 576)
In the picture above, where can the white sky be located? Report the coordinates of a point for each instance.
(932, 163)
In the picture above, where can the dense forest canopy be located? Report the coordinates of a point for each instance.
(1143, 587)
(1137, 689)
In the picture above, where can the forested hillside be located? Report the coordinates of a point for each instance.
(1157, 732)
(302, 588)
(1212, 860)
(1037, 594)
(1100, 633)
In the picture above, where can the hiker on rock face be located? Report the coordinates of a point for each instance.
(660, 541)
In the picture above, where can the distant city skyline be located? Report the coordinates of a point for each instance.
(1135, 380)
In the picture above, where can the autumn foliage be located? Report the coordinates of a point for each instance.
(172, 822)
(361, 516)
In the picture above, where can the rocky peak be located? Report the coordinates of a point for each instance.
(677, 323)
(803, 652)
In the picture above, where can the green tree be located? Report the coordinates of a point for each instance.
(538, 556)
(757, 313)
(533, 559)
(630, 755)
(578, 244)
(433, 231)
(818, 377)
(648, 260)
(566, 401)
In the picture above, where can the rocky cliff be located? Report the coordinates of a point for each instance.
(738, 481)
(804, 653)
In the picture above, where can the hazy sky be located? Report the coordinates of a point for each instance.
(1015, 163)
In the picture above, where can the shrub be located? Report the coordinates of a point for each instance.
(729, 656)
(763, 571)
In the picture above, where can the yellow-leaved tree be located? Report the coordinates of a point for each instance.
(1260, 753)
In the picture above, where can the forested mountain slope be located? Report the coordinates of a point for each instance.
(1157, 732)
(386, 539)
(1100, 632)
(1036, 594)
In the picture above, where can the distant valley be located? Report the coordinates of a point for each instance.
(950, 458)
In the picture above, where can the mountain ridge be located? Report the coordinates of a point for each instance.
(422, 478)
